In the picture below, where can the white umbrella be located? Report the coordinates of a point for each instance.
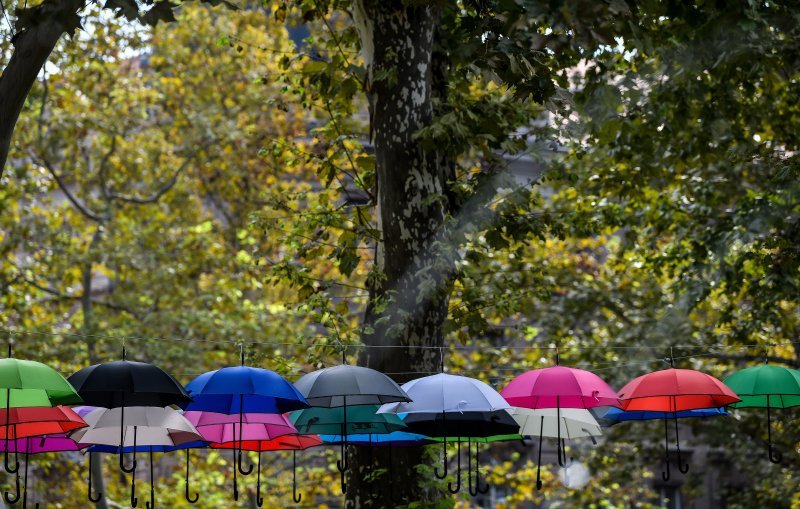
(440, 393)
(574, 422)
(145, 428)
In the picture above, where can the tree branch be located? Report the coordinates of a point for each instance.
(168, 185)
(82, 208)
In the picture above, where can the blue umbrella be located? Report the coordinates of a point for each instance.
(609, 416)
(243, 389)
(387, 440)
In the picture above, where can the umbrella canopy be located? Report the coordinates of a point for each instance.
(114, 449)
(37, 445)
(674, 390)
(559, 386)
(480, 440)
(349, 385)
(609, 416)
(154, 426)
(200, 419)
(31, 384)
(243, 389)
(127, 383)
(573, 422)
(462, 424)
(38, 421)
(282, 443)
(393, 439)
(766, 385)
(231, 432)
(447, 393)
(358, 419)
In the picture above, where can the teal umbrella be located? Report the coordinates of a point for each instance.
(766, 386)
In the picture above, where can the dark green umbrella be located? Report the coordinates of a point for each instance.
(766, 386)
(361, 419)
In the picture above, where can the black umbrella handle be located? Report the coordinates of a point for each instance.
(241, 436)
(297, 497)
(8, 467)
(235, 469)
(259, 499)
(12, 499)
(151, 504)
(186, 484)
(122, 429)
(539, 462)
(341, 464)
(774, 456)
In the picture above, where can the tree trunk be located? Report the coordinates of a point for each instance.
(32, 47)
(407, 308)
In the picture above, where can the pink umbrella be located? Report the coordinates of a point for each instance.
(221, 428)
(558, 387)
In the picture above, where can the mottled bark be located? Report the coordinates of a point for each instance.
(32, 48)
(397, 42)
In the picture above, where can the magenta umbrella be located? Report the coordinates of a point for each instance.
(221, 428)
(37, 445)
(558, 387)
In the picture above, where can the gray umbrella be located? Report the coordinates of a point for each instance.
(349, 385)
(340, 386)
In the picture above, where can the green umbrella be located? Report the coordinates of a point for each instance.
(333, 421)
(767, 387)
(31, 384)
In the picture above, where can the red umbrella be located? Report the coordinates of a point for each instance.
(292, 443)
(37, 421)
(675, 390)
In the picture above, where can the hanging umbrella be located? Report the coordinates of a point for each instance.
(559, 387)
(609, 416)
(35, 445)
(558, 423)
(675, 390)
(458, 426)
(127, 383)
(436, 397)
(115, 449)
(447, 393)
(768, 387)
(242, 390)
(292, 443)
(340, 386)
(143, 428)
(37, 421)
(31, 384)
(344, 421)
(230, 432)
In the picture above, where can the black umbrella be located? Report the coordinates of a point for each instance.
(457, 425)
(340, 386)
(127, 383)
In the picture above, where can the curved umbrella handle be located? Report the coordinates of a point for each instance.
(186, 484)
(295, 496)
(485, 488)
(131, 469)
(259, 499)
(341, 464)
(94, 498)
(774, 456)
(13, 499)
(473, 492)
(457, 488)
(241, 436)
(134, 500)
(151, 504)
(8, 467)
(539, 462)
